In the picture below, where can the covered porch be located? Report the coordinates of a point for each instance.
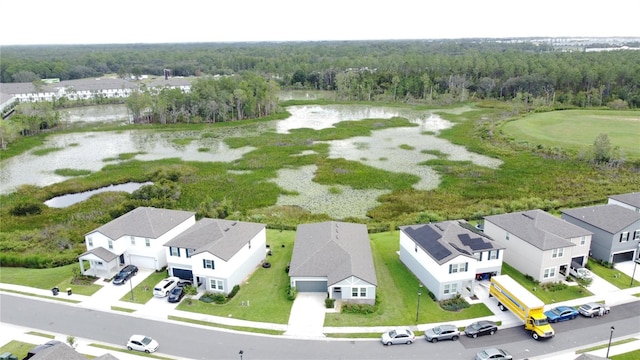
(102, 263)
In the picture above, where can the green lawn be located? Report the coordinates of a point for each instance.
(548, 297)
(615, 277)
(17, 348)
(46, 278)
(144, 291)
(577, 129)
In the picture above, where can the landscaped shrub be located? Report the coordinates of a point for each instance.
(354, 308)
(292, 292)
(233, 292)
(207, 297)
(554, 286)
(329, 303)
(454, 304)
(433, 297)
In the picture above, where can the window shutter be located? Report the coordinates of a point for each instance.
(466, 266)
(481, 256)
(204, 263)
(178, 252)
(450, 268)
(498, 254)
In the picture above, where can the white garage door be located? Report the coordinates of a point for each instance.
(144, 262)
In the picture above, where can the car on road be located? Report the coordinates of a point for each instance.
(561, 313)
(493, 354)
(164, 287)
(398, 336)
(592, 309)
(142, 343)
(442, 332)
(176, 294)
(479, 328)
(125, 274)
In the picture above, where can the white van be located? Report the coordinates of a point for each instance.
(164, 287)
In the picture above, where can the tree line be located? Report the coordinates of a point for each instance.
(409, 70)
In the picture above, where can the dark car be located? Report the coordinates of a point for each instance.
(561, 313)
(480, 328)
(125, 274)
(176, 294)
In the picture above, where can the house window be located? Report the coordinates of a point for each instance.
(583, 240)
(455, 268)
(549, 273)
(624, 237)
(557, 253)
(217, 284)
(636, 235)
(189, 251)
(133, 240)
(493, 254)
(174, 251)
(147, 242)
(507, 236)
(90, 241)
(111, 244)
(477, 256)
(358, 292)
(451, 289)
(208, 264)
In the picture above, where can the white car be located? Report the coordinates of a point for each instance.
(580, 273)
(142, 343)
(398, 336)
(164, 287)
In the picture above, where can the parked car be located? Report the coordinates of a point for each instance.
(561, 313)
(442, 332)
(480, 328)
(185, 282)
(125, 274)
(398, 336)
(580, 273)
(493, 354)
(176, 294)
(164, 287)
(593, 309)
(142, 343)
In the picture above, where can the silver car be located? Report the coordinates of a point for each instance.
(442, 332)
(398, 336)
(493, 354)
(592, 309)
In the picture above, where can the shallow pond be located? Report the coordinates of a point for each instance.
(394, 149)
(70, 199)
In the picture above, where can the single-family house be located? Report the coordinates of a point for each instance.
(219, 254)
(334, 258)
(449, 257)
(137, 238)
(539, 244)
(629, 201)
(616, 230)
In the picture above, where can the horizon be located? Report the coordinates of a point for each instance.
(71, 22)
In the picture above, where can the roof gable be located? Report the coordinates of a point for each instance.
(222, 238)
(146, 222)
(632, 199)
(539, 228)
(101, 253)
(336, 250)
(610, 218)
(447, 240)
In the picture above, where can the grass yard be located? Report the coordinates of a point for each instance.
(17, 348)
(46, 278)
(144, 291)
(548, 297)
(577, 129)
(615, 277)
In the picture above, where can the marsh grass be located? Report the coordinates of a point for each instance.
(46, 151)
(72, 172)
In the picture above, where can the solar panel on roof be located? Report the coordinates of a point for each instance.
(474, 243)
(428, 240)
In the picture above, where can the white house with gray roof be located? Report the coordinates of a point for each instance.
(539, 244)
(616, 231)
(137, 238)
(334, 258)
(449, 257)
(218, 254)
(629, 201)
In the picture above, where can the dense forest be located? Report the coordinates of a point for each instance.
(423, 71)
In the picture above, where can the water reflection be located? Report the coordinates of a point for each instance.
(96, 113)
(70, 199)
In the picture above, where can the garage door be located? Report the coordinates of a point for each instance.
(144, 262)
(625, 256)
(311, 286)
(185, 274)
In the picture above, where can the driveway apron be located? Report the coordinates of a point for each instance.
(307, 315)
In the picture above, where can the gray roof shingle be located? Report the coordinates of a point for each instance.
(222, 238)
(632, 199)
(101, 253)
(539, 228)
(144, 222)
(610, 218)
(447, 240)
(336, 250)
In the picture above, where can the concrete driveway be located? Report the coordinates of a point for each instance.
(306, 319)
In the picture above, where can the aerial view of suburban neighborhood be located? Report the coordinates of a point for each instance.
(440, 197)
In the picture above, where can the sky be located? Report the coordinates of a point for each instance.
(28, 22)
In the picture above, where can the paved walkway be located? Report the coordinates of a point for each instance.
(307, 313)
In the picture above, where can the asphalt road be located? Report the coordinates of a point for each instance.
(199, 342)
